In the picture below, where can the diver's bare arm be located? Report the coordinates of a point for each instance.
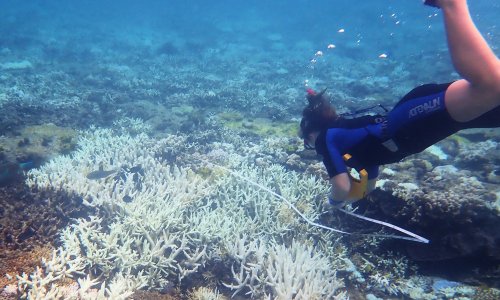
(341, 188)
(341, 185)
(472, 57)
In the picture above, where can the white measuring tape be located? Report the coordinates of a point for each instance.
(411, 236)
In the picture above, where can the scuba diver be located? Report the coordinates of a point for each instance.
(423, 117)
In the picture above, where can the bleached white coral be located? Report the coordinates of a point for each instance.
(46, 282)
(163, 245)
(132, 126)
(163, 222)
(250, 274)
(40, 284)
(386, 283)
(295, 272)
(250, 210)
(299, 272)
(104, 150)
(437, 151)
(204, 293)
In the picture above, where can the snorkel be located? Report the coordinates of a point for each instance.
(315, 99)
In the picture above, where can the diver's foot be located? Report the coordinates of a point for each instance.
(444, 4)
(432, 3)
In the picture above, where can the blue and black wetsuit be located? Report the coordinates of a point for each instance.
(418, 120)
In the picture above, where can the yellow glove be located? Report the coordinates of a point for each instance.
(359, 186)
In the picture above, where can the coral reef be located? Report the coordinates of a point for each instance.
(259, 126)
(144, 205)
(14, 262)
(30, 147)
(201, 218)
(191, 221)
(204, 293)
(17, 65)
(297, 272)
(452, 200)
(42, 283)
(37, 219)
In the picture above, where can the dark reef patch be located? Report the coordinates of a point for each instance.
(28, 220)
(463, 248)
(30, 225)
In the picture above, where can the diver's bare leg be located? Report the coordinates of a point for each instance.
(474, 60)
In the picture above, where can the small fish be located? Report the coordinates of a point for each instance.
(127, 199)
(100, 174)
(121, 173)
(383, 55)
(27, 165)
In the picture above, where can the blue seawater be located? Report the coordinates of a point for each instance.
(261, 48)
(176, 64)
